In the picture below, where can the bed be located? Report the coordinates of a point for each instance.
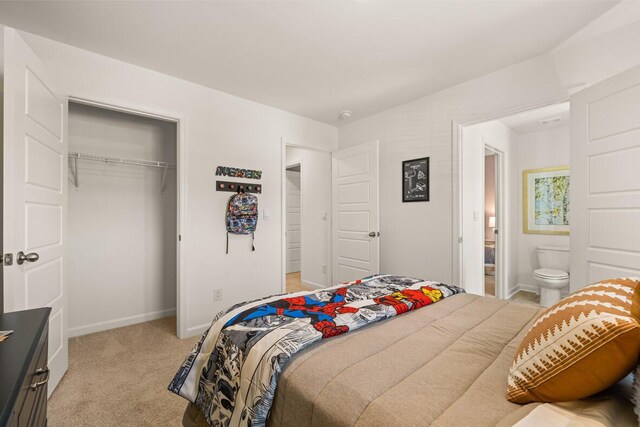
(444, 365)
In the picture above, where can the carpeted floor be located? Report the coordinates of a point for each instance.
(120, 378)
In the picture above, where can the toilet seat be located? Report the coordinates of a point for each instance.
(550, 274)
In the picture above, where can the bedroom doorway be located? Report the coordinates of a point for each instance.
(306, 219)
(294, 227)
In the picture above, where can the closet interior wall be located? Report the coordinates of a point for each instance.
(121, 225)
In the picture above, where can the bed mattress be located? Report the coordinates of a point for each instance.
(443, 365)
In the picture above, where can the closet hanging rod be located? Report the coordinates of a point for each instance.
(121, 160)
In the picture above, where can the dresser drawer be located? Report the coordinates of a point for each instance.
(31, 405)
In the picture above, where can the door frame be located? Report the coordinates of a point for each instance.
(500, 203)
(181, 186)
(283, 209)
(457, 126)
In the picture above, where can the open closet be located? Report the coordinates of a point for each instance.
(122, 219)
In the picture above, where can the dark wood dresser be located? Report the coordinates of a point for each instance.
(23, 368)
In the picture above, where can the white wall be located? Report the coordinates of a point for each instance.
(218, 129)
(121, 228)
(500, 137)
(316, 201)
(535, 150)
(417, 238)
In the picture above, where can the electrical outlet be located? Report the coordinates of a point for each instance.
(217, 294)
(324, 268)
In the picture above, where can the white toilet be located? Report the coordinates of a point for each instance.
(553, 274)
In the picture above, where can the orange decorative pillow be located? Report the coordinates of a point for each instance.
(580, 346)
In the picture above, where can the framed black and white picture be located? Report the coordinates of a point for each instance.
(415, 180)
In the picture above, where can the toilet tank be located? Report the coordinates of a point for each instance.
(553, 257)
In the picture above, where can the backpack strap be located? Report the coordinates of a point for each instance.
(253, 239)
(227, 242)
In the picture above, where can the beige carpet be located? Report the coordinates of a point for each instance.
(120, 378)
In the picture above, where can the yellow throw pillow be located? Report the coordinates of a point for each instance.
(580, 346)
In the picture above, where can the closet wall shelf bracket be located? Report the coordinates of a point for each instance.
(75, 156)
(74, 171)
(164, 177)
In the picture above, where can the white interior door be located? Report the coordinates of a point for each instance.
(605, 180)
(356, 248)
(294, 222)
(34, 209)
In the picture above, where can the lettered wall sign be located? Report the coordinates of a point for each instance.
(238, 172)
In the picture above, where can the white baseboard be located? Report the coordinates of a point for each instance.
(523, 287)
(118, 323)
(197, 330)
(313, 284)
(529, 288)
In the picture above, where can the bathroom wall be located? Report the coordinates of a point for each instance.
(535, 150)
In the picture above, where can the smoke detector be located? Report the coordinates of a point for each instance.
(549, 120)
(344, 115)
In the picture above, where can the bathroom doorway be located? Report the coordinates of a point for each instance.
(491, 201)
(497, 252)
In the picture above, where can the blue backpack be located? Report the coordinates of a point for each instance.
(242, 216)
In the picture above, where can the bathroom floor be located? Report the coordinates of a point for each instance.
(524, 297)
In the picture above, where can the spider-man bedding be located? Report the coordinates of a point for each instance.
(232, 373)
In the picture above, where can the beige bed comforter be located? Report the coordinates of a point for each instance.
(443, 365)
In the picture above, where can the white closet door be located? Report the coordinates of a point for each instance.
(605, 180)
(294, 222)
(35, 180)
(355, 212)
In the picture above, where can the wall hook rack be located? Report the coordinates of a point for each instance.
(233, 187)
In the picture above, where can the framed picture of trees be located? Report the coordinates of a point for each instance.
(546, 204)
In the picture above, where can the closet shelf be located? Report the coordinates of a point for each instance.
(75, 156)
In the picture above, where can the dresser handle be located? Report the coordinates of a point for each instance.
(34, 386)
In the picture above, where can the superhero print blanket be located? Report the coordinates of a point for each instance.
(232, 372)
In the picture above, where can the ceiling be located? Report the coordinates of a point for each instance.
(313, 58)
(529, 121)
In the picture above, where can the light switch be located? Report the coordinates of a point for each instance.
(476, 215)
(324, 215)
(266, 214)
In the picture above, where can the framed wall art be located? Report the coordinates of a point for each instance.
(415, 180)
(546, 206)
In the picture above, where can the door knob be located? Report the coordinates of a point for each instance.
(372, 234)
(21, 258)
